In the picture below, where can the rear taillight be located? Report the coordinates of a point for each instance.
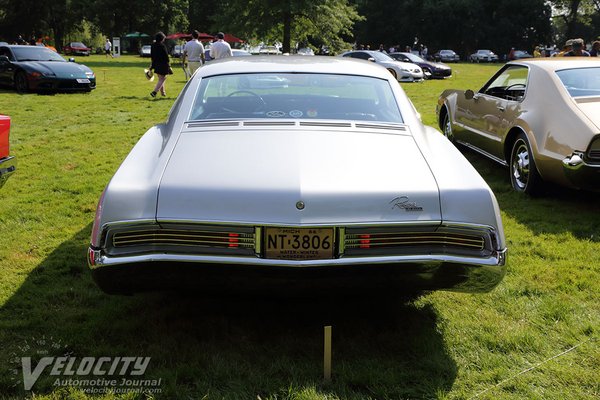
(234, 240)
(364, 241)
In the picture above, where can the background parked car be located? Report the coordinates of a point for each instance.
(540, 117)
(430, 69)
(77, 49)
(145, 50)
(519, 54)
(7, 162)
(446, 56)
(234, 52)
(305, 51)
(267, 50)
(484, 56)
(177, 51)
(38, 68)
(402, 71)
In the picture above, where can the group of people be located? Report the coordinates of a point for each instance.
(193, 55)
(572, 48)
(576, 48)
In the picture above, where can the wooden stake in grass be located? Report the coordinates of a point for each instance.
(327, 355)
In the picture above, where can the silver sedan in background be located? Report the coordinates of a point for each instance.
(282, 170)
(402, 71)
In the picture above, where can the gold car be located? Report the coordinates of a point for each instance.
(539, 117)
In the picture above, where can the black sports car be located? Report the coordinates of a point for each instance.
(35, 68)
(430, 69)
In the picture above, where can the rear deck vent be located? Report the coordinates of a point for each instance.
(210, 124)
(381, 126)
(327, 124)
(269, 123)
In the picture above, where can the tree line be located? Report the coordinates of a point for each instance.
(463, 25)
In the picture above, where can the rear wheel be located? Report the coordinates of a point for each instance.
(447, 126)
(21, 83)
(524, 175)
(394, 74)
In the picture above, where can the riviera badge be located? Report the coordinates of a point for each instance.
(403, 202)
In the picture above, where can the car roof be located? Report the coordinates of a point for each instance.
(288, 64)
(558, 63)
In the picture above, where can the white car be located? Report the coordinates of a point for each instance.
(402, 71)
(146, 50)
(287, 172)
(484, 56)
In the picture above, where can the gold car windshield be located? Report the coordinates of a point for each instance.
(296, 96)
(581, 82)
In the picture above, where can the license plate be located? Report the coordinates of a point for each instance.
(83, 81)
(299, 243)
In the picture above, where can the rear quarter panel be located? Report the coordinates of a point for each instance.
(465, 197)
(553, 123)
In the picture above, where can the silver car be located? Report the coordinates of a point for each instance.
(484, 56)
(402, 71)
(282, 170)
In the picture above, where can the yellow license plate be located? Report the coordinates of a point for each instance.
(299, 243)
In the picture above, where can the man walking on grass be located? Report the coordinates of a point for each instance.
(193, 52)
(220, 48)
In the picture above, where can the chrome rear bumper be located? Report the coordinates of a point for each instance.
(422, 272)
(8, 166)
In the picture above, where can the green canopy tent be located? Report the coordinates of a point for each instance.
(135, 40)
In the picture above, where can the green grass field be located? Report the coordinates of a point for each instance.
(534, 337)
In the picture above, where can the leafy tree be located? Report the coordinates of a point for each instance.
(576, 18)
(464, 25)
(284, 20)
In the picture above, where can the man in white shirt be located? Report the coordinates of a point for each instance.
(220, 48)
(193, 51)
(107, 48)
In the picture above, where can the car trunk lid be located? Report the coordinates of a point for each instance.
(260, 176)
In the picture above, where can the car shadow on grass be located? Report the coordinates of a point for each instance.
(224, 346)
(555, 210)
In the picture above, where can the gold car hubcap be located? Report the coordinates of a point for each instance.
(520, 165)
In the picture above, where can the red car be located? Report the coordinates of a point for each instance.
(7, 163)
(77, 49)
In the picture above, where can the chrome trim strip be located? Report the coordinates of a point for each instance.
(479, 132)
(258, 240)
(498, 258)
(342, 242)
(483, 153)
(8, 166)
(313, 225)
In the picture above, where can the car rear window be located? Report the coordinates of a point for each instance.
(581, 82)
(295, 96)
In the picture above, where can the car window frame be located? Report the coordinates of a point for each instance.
(380, 96)
(486, 86)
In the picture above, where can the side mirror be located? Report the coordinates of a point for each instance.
(469, 94)
(371, 59)
(4, 59)
(71, 59)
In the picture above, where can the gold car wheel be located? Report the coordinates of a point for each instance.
(524, 175)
